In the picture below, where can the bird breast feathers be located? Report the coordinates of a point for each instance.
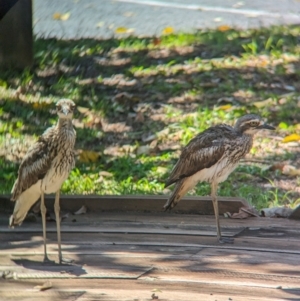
(41, 157)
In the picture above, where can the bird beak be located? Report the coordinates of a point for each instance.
(266, 127)
(65, 110)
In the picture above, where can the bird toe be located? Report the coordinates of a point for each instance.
(226, 240)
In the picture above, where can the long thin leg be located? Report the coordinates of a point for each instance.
(57, 217)
(43, 211)
(221, 239)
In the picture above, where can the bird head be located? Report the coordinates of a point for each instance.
(250, 124)
(65, 108)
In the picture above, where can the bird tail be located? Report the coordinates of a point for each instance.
(24, 202)
(179, 191)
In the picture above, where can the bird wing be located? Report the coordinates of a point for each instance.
(203, 151)
(34, 166)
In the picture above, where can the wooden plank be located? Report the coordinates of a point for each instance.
(175, 267)
(23, 241)
(224, 265)
(16, 42)
(167, 219)
(274, 232)
(132, 228)
(68, 272)
(121, 290)
(151, 203)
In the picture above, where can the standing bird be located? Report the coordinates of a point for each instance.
(210, 157)
(44, 168)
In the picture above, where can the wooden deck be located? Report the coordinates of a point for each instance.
(145, 256)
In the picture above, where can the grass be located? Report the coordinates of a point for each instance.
(141, 99)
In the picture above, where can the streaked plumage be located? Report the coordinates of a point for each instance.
(45, 167)
(211, 156)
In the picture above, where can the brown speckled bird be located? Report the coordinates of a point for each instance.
(210, 157)
(44, 168)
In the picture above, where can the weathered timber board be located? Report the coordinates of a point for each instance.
(201, 205)
(126, 229)
(121, 290)
(218, 265)
(173, 266)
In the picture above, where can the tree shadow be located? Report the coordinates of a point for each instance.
(128, 89)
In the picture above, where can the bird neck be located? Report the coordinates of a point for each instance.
(249, 138)
(65, 123)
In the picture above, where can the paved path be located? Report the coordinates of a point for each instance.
(101, 18)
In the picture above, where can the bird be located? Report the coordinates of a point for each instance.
(210, 157)
(44, 168)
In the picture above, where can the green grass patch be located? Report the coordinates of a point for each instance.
(141, 99)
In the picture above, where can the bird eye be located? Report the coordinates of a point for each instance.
(253, 123)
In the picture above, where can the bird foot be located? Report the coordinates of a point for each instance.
(226, 240)
(48, 261)
(65, 260)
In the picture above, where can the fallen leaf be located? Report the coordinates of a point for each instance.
(153, 145)
(56, 16)
(276, 166)
(65, 16)
(224, 28)
(238, 4)
(292, 137)
(225, 107)
(143, 150)
(40, 105)
(286, 169)
(122, 30)
(148, 138)
(168, 30)
(244, 212)
(264, 103)
(83, 110)
(100, 24)
(46, 285)
(262, 63)
(156, 290)
(283, 125)
(82, 210)
(123, 96)
(226, 100)
(105, 174)
(139, 117)
(161, 170)
(86, 156)
(290, 170)
(129, 14)
(62, 17)
(217, 19)
(156, 41)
